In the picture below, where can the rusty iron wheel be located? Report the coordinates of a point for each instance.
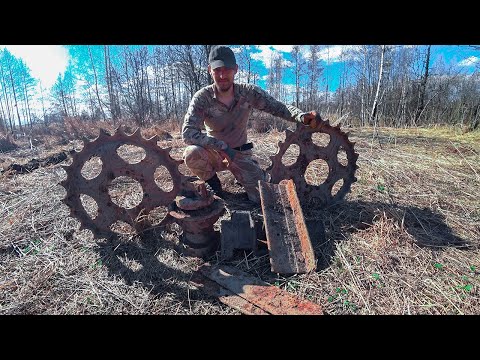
(105, 147)
(316, 194)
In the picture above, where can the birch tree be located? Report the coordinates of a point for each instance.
(373, 114)
(6, 92)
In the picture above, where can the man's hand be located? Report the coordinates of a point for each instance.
(229, 154)
(312, 119)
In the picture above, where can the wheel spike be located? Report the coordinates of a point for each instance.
(103, 133)
(137, 133)
(154, 139)
(121, 130)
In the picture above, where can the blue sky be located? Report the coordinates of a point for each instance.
(47, 61)
(460, 57)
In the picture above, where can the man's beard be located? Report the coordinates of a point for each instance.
(224, 87)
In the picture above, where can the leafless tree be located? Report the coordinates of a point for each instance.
(298, 69)
(373, 114)
(275, 76)
(314, 72)
(245, 64)
(96, 82)
(60, 93)
(8, 107)
(423, 87)
(191, 64)
(10, 72)
(114, 104)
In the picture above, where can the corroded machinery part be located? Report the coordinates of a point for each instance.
(309, 151)
(113, 166)
(199, 238)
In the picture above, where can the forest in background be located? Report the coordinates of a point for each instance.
(380, 85)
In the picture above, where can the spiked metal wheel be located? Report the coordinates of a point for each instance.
(309, 151)
(113, 166)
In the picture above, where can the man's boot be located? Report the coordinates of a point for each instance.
(215, 185)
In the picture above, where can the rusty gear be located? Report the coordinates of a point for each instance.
(309, 151)
(105, 147)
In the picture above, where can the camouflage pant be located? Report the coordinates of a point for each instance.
(205, 162)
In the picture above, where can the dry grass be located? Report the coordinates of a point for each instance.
(404, 241)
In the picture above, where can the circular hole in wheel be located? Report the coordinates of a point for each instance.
(92, 168)
(316, 172)
(163, 179)
(125, 192)
(90, 205)
(291, 155)
(131, 154)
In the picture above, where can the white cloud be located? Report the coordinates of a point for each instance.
(331, 53)
(45, 61)
(264, 55)
(268, 51)
(282, 48)
(327, 53)
(470, 61)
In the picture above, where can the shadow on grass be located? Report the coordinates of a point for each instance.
(340, 220)
(160, 277)
(157, 276)
(327, 227)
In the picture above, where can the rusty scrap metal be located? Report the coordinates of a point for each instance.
(237, 233)
(188, 202)
(105, 147)
(309, 152)
(193, 194)
(196, 214)
(234, 283)
(288, 238)
(225, 296)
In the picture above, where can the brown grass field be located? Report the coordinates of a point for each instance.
(404, 241)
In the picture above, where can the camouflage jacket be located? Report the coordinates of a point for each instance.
(228, 125)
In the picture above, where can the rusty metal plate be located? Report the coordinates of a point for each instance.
(257, 295)
(288, 239)
(225, 296)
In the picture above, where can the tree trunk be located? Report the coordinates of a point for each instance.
(207, 49)
(297, 64)
(363, 90)
(96, 83)
(43, 104)
(15, 98)
(373, 115)
(423, 86)
(7, 102)
(476, 118)
(3, 122)
(108, 75)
